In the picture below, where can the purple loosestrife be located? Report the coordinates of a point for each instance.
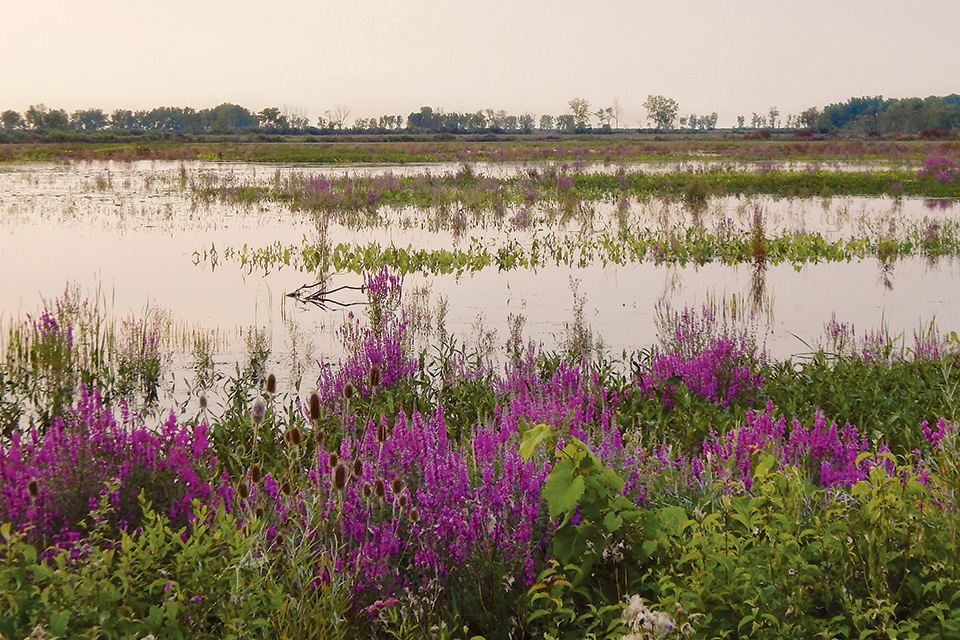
(829, 453)
(51, 481)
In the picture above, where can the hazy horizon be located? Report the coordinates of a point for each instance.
(379, 57)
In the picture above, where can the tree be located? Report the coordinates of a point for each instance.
(546, 122)
(36, 116)
(11, 120)
(526, 122)
(774, 118)
(337, 117)
(123, 119)
(580, 110)
(617, 112)
(740, 122)
(566, 122)
(661, 111)
(89, 119)
(271, 118)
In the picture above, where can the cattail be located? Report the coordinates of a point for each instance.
(374, 378)
(339, 477)
(286, 487)
(357, 468)
(332, 460)
(271, 384)
(397, 486)
(296, 437)
(348, 390)
(314, 407)
(33, 488)
(243, 490)
(378, 489)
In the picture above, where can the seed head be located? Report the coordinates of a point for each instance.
(314, 407)
(259, 410)
(243, 490)
(296, 436)
(374, 377)
(414, 515)
(33, 488)
(402, 501)
(357, 468)
(332, 460)
(271, 384)
(397, 486)
(378, 489)
(367, 490)
(258, 512)
(381, 433)
(286, 487)
(348, 390)
(255, 473)
(339, 477)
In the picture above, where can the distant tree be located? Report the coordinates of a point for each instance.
(547, 122)
(424, 120)
(123, 120)
(56, 120)
(337, 116)
(617, 112)
(526, 122)
(271, 118)
(580, 110)
(11, 120)
(36, 116)
(741, 122)
(774, 115)
(758, 121)
(604, 117)
(566, 122)
(710, 121)
(229, 118)
(89, 119)
(661, 111)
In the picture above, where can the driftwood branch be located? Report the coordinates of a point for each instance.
(317, 294)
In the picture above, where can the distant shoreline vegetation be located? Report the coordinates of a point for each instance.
(933, 117)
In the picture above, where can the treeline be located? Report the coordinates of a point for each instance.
(866, 115)
(892, 115)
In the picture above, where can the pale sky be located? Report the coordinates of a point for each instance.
(380, 57)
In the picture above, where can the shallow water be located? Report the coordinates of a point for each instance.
(133, 235)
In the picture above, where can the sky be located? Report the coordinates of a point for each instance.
(377, 57)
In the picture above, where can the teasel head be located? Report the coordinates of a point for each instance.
(271, 384)
(397, 486)
(357, 468)
(381, 433)
(258, 512)
(374, 377)
(286, 487)
(319, 436)
(33, 488)
(259, 410)
(348, 390)
(255, 473)
(314, 407)
(339, 477)
(203, 401)
(332, 460)
(414, 515)
(402, 501)
(243, 491)
(378, 489)
(367, 490)
(295, 436)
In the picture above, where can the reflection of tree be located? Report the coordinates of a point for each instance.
(886, 273)
(759, 300)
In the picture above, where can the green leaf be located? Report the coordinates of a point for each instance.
(562, 490)
(58, 623)
(612, 521)
(532, 438)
